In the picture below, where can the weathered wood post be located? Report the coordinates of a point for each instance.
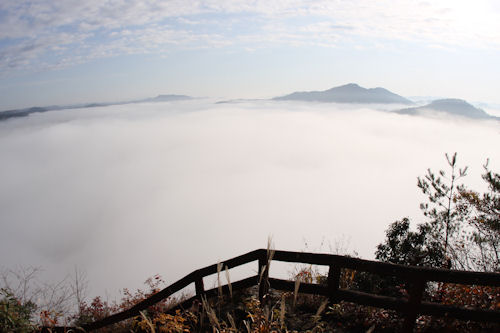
(417, 287)
(333, 281)
(198, 285)
(263, 275)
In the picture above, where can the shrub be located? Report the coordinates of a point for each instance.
(15, 316)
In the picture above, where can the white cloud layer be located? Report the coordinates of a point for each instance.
(125, 192)
(48, 34)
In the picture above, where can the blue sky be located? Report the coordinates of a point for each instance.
(62, 52)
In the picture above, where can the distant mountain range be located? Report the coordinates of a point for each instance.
(353, 93)
(457, 107)
(349, 93)
(4, 115)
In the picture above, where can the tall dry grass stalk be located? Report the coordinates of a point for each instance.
(270, 255)
(296, 291)
(266, 267)
(321, 308)
(219, 286)
(232, 322)
(212, 316)
(282, 311)
(268, 315)
(247, 326)
(150, 324)
(263, 268)
(269, 242)
(229, 283)
(270, 252)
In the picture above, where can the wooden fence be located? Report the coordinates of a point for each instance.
(415, 277)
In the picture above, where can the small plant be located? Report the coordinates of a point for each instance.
(167, 323)
(98, 308)
(15, 316)
(262, 319)
(483, 297)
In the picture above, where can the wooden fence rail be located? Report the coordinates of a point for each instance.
(415, 277)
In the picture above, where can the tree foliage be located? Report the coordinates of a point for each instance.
(15, 316)
(482, 213)
(462, 227)
(443, 218)
(403, 246)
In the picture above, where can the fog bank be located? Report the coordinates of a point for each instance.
(125, 192)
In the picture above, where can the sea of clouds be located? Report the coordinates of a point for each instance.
(125, 192)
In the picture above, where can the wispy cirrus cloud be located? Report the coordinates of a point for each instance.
(41, 34)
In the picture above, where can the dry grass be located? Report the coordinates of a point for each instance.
(229, 283)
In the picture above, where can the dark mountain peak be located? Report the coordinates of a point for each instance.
(349, 86)
(379, 89)
(169, 97)
(348, 93)
(450, 102)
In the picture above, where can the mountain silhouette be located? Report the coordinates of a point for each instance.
(23, 112)
(4, 115)
(349, 93)
(453, 106)
(165, 98)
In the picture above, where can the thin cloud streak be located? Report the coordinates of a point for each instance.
(126, 192)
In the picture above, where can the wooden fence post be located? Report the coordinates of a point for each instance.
(333, 282)
(198, 285)
(417, 287)
(263, 276)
